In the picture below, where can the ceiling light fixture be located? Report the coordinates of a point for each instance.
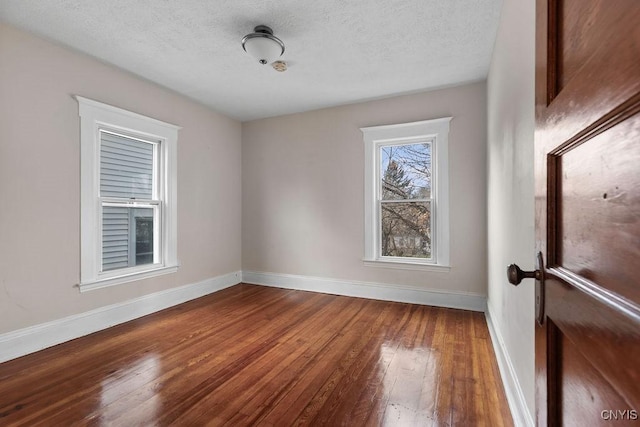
(263, 45)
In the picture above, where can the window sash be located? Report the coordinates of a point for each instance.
(405, 200)
(158, 256)
(432, 242)
(157, 189)
(399, 142)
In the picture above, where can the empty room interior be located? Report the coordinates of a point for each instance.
(302, 213)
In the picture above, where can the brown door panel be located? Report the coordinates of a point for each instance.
(587, 163)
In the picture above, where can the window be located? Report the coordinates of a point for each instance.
(128, 196)
(406, 195)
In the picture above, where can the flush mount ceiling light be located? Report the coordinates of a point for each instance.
(263, 45)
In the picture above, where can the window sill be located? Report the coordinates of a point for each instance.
(407, 265)
(112, 281)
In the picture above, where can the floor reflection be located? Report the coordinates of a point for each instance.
(409, 380)
(130, 388)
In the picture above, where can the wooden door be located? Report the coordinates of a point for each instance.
(588, 211)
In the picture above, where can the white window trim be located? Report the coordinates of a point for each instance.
(93, 117)
(437, 131)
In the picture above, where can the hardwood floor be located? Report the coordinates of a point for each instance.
(251, 355)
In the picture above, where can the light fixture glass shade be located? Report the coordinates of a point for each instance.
(263, 45)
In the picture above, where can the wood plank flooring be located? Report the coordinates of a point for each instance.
(252, 355)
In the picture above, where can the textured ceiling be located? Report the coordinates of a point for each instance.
(338, 51)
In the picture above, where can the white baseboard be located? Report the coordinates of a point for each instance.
(31, 339)
(379, 291)
(517, 403)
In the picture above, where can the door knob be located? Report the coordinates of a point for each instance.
(515, 274)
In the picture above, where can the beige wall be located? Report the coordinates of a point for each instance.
(303, 190)
(40, 180)
(510, 93)
(300, 190)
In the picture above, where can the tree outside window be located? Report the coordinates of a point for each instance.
(406, 195)
(405, 200)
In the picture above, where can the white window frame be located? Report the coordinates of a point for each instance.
(94, 118)
(435, 132)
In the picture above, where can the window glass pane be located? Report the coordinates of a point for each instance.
(405, 229)
(405, 171)
(126, 167)
(144, 239)
(127, 236)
